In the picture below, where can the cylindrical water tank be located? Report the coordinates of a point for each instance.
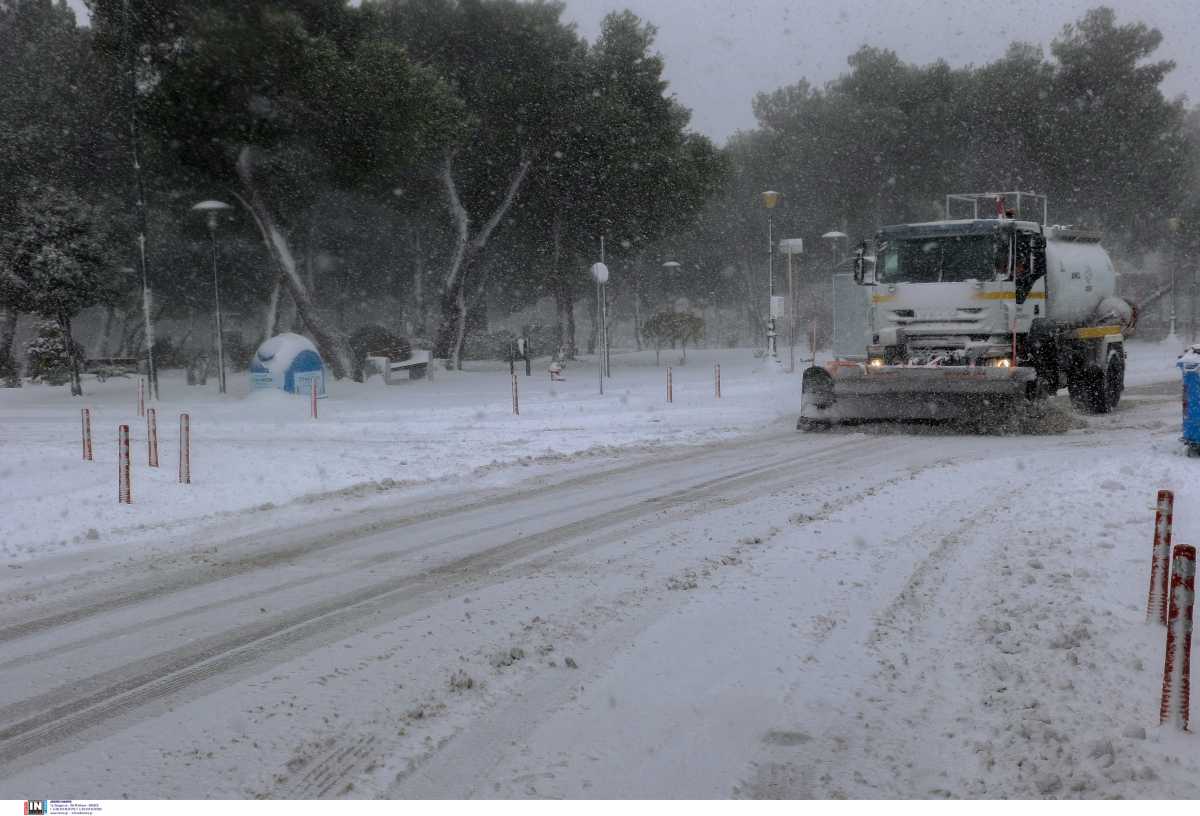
(1079, 275)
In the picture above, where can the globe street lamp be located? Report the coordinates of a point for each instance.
(833, 238)
(770, 198)
(212, 210)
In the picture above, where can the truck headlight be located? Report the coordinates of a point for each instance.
(1000, 362)
(876, 362)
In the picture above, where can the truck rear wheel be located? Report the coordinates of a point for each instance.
(1098, 390)
(1114, 379)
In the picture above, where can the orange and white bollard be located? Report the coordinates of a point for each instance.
(141, 397)
(1177, 667)
(86, 419)
(1156, 602)
(151, 438)
(185, 449)
(313, 381)
(516, 399)
(717, 379)
(670, 391)
(124, 489)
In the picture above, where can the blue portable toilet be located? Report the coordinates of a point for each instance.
(1189, 367)
(290, 363)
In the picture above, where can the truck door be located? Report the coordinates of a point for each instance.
(1029, 264)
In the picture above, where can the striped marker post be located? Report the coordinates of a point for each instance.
(516, 399)
(1156, 602)
(85, 415)
(313, 382)
(185, 449)
(670, 392)
(717, 380)
(1177, 667)
(151, 438)
(124, 489)
(141, 397)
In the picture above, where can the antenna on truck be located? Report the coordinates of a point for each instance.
(1024, 205)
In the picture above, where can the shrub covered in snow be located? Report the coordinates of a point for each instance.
(46, 352)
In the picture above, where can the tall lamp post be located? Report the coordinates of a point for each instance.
(600, 273)
(790, 247)
(1173, 224)
(212, 210)
(770, 198)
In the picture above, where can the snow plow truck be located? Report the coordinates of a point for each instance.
(977, 319)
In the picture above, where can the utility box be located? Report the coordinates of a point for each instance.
(1189, 367)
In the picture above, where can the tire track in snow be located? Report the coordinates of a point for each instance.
(336, 535)
(37, 723)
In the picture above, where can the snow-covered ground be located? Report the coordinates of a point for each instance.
(256, 451)
(724, 607)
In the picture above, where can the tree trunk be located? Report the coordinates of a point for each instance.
(271, 317)
(418, 285)
(124, 335)
(564, 297)
(569, 299)
(9, 375)
(468, 250)
(460, 329)
(64, 322)
(100, 348)
(564, 303)
(333, 345)
(637, 311)
(594, 333)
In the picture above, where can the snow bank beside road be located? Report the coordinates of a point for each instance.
(1150, 363)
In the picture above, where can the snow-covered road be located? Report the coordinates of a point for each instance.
(778, 614)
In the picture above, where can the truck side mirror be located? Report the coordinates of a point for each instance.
(862, 276)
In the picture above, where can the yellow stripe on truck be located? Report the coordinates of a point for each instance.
(1094, 332)
(882, 298)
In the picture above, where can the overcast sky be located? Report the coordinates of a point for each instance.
(719, 53)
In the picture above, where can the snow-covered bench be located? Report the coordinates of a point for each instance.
(414, 368)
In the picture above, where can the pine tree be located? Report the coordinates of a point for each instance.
(57, 257)
(48, 359)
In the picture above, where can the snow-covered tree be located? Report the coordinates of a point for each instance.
(48, 358)
(56, 257)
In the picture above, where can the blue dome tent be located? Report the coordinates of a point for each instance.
(288, 362)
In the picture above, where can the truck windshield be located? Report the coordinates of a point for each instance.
(944, 258)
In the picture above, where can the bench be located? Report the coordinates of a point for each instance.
(105, 367)
(416, 367)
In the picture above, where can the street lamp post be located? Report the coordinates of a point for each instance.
(600, 273)
(770, 198)
(1175, 225)
(212, 209)
(790, 247)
